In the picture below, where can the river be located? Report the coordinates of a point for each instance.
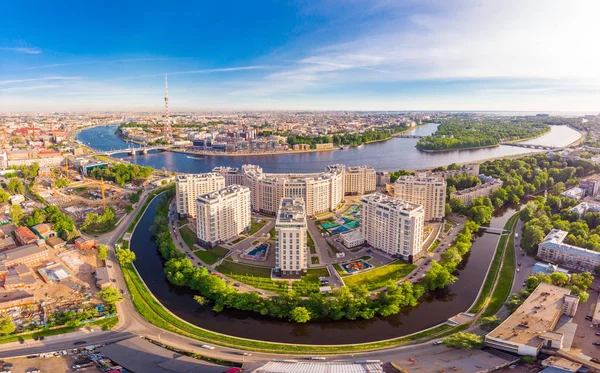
(432, 311)
(394, 154)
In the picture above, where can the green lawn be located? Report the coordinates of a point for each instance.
(272, 233)
(310, 282)
(314, 260)
(211, 256)
(256, 226)
(448, 225)
(189, 236)
(310, 243)
(379, 277)
(434, 245)
(230, 268)
(182, 222)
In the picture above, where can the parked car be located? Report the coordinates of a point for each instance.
(436, 343)
(77, 343)
(596, 343)
(207, 347)
(598, 334)
(317, 358)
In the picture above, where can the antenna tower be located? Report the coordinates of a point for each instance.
(168, 137)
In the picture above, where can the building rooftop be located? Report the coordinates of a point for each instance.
(21, 252)
(554, 240)
(207, 175)
(329, 367)
(547, 268)
(26, 234)
(423, 179)
(291, 210)
(222, 193)
(391, 203)
(352, 235)
(358, 168)
(537, 315)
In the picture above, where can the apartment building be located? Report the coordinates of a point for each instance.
(552, 249)
(321, 192)
(383, 178)
(223, 214)
(291, 257)
(591, 186)
(429, 191)
(537, 323)
(393, 225)
(359, 180)
(28, 254)
(190, 187)
(483, 190)
(232, 175)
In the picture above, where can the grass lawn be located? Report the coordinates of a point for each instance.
(379, 277)
(310, 282)
(314, 260)
(310, 243)
(272, 233)
(189, 236)
(434, 245)
(230, 268)
(448, 225)
(256, 226)
(182, 222)
(239, 239)
(211, 256)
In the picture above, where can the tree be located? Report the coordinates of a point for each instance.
(15, 186)
(300, 315)
(110, 295)
(438, 277)
(463, 341)
(532, 236)
(125, 256)
(16, 214)
(102, 252)
(7, 326)
(36, 217)
(62, 183)
(597, 270)
(489, 323)
(200, 300)
(559, 279)
(4, 196)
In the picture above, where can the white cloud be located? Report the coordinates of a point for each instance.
(25, 50)
(29, 80)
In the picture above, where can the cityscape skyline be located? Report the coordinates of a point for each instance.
(455, 55)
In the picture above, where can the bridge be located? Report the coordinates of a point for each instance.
(411, 136)
(493, 230)
(530, 146)
(134, 151)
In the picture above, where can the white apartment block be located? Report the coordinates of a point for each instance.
(360, 180)
(393, 225)
(429, 191)
(321, 192)
(223, 214)
(189, 187)
(552, 249)
(232, 175)
(291, 257)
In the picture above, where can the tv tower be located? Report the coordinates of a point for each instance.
(168, 137)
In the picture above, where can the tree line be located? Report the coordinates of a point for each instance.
(121, 173)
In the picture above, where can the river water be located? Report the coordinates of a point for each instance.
(394, 154)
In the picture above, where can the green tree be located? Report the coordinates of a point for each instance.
(7, 325)
(102, 252)
(489, 323)
(110, 295)
(36, 217)
(4, 196)
(16, 214)
(62, 183)
(15, 186)
(532, 236)
(300, 315)
(200, 300)
(463, 341)
(438, 277)
(125, 256)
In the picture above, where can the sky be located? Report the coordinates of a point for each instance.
(511, 55)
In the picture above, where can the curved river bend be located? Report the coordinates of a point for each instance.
(397, 153)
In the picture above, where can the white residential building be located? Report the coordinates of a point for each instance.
(352, 238)
(429, 191)
(223, 214)
(232, 175)
(291, 257)
(552, 249)
(360, 180)
(3, 160)
(392, 225)
(191, 186)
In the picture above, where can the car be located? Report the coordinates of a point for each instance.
(596, 343)
(595, 360)
(519, 264)
(207, 347)
(513, 366)
(246, 354)
(598, 334)
(122, 292)
(33, 370)
(7, 365)
(77, 343)
(588, 318)
(523, 254)
(518, 270)
(113, 280)
(317, 358)
(437, 343)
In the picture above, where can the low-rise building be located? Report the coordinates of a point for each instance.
(3, 160)
(591, 186)
(84, 243)
(483, 190)
(392, 225)
(352, 238)
(585, 207)
(547, 268)
(102, 277)
(552, 249)
(43, 230)
(291, 257)
(56, 242)
(29, 254)
(6, 241)
(223, 214)
(25, 236)
(575, 193)
(535, 324)
(19, 277)
(16, 199)
(16, 298)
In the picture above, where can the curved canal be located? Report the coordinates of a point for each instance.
(394, 154)
(433, 310)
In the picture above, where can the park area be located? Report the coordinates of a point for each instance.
(378, 277)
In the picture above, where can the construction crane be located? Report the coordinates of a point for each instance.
(67, 168)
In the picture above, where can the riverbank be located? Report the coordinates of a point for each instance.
(457, 149)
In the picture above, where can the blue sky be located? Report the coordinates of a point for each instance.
(538, 55)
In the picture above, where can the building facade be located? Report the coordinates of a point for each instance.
(483, 190)
(3, 160)
(291, 257)
(383, 178)
(321, 192)
(552, 249)
(359, 180)
(223, 214)
(190, 187)
(392, 225)
(232, 175)
(429, 191)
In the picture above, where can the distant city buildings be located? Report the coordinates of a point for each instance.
(483, 190)
(223, 214)
(291, 257)
(392, 225)
(591, 186)
(191, 186)
(359, 180)
(538, 323)
(552, 249)
(429, 191)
